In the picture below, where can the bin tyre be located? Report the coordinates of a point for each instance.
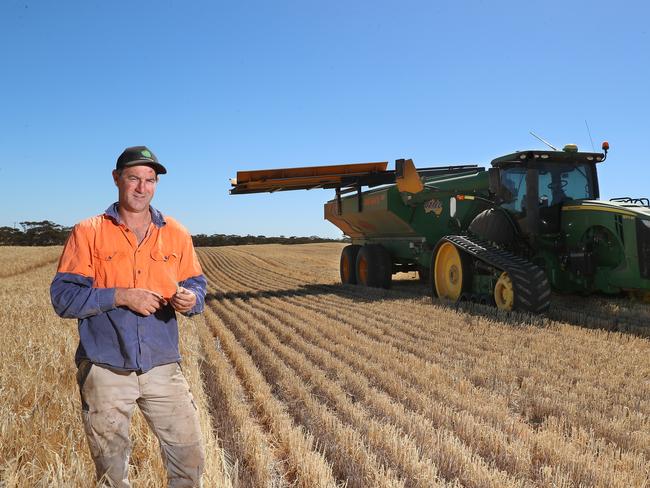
(451, 272)
(423, 275)
(504, 293)
(348, 265)
(374, 266)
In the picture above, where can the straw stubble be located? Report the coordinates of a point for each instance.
(303, 382)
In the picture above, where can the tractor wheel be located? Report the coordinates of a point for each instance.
(504, 293)
(525, 292)
(348, 266)
(451, 272)
(374, 266)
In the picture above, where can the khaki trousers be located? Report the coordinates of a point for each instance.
(108, 398)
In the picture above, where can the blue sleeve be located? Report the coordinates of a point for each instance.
(73, 296)
(198, 285)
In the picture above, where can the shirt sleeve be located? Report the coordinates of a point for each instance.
(191, 275)
(73, 296)
(71, 292)
(197, 285)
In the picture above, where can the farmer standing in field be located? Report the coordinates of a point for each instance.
(123, 275)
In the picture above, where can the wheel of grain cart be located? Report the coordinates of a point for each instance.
(348, 265)
(451, 272)
(374, 266)
(504, 293)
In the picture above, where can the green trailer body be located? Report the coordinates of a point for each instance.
(407, 225)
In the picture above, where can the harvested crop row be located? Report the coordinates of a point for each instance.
(15, 260)
(555, 365)
(279, 308)
(591, 447)
(276, 309)
(457, 461)
(614, 411)
(364, 355)
(425, 384)
(41, 435)
(605, 313)
(293, 449)
(350, 459)
(238, 432)
(630, 397)
(239, 271)
(428, 418)
(391, 446)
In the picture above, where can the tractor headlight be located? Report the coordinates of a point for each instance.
(646, 223)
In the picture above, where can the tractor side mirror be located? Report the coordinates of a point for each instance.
(495, 181)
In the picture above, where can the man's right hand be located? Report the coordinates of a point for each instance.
(139, 300)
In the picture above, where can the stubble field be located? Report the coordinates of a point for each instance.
(305, 382)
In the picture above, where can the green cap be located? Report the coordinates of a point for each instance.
(139, 156)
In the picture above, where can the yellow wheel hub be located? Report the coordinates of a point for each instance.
(363, 271)
(504, 294)
(448, 272)
(345, 268)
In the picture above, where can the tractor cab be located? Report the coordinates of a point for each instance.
(533, 185)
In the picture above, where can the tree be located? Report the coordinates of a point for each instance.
(41, 233)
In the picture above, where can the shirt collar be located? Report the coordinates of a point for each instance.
(156, 216)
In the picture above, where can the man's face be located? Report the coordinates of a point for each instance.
(136, 186)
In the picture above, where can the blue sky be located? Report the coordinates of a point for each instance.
(216, 87)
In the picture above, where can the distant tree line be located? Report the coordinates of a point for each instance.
(46, 233)
(43, 233)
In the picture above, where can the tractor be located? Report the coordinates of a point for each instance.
(508, 235)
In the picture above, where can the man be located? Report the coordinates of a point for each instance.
(123, 275)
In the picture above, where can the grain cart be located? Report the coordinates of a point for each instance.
(506, 235)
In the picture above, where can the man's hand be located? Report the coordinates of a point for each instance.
(183, 300)
(139, 300)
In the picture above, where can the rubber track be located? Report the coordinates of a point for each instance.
(531, 287)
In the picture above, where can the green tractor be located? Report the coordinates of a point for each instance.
(504, 236)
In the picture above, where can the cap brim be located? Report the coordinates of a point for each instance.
(157, 167)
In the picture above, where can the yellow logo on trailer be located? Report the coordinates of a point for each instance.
(434, 206)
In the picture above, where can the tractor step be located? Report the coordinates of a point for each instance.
(532, 291)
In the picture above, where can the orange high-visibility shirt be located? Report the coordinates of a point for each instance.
(108, 252)
(102, 254)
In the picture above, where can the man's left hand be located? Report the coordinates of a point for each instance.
(183, 300)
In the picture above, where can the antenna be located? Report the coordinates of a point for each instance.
(545, 142)
(589, 132)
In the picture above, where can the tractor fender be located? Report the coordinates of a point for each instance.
(494, 226)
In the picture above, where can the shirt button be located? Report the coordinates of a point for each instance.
(139, 271)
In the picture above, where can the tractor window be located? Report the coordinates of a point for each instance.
(560, 182)
(514, 180)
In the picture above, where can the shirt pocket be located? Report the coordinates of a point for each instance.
(163, 273)
(109, 267)
(165, 256)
